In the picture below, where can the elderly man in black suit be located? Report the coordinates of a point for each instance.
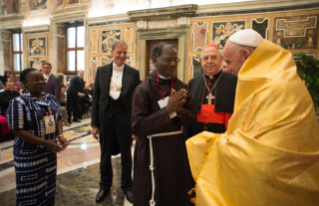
(111, 117)
(75, 91)
(53, 85)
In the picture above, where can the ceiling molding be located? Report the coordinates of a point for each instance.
(12, 24)
(44, 27)
(253, 5)
(110, 18)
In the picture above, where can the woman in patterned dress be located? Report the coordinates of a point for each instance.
(35, 120)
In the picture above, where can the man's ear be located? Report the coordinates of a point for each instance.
(200, 59)
(247, 53)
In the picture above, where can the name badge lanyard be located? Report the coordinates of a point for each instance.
(48, 113)
(163, 93)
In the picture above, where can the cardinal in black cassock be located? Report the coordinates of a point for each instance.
(213, 93)
(161, 169)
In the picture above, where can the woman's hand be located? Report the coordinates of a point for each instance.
(52, 146)
(64, 142)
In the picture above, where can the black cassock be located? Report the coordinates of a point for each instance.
(212, 117)
(172, 175)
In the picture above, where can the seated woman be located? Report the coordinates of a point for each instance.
(35, 120)
(62, 105)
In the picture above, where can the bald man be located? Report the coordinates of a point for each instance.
(269, 154)
(213, 93)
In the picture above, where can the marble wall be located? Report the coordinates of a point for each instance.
(295, 31)
(100, 39)
(6, 48)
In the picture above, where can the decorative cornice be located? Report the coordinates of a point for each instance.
(44, 27)
(110, 18)
(165, 13)
(61, 18)
(253, 6)
(11, 24)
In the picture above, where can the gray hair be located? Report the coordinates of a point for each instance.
(117, 43)
(240, 48)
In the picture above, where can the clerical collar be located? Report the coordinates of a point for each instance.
(216, 76)
(162, 77)
(118, 69)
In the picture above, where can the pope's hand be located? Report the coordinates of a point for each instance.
(96, 132)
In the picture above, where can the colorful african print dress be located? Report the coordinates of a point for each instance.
(35, 165)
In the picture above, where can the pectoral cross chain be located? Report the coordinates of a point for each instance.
(209, 98)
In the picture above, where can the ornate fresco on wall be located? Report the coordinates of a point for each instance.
(5, 36)
(37, 4)
(37, 47)
(196, 66)
(36, 64)
(61, 54)
(94, 65)
(107, 38)
(9, 6)
(297, 57)
(106, 60)
(200, 31)
(94, 42)
(221, 31)
(261, 26)
(6, 55)
(128, 38)
(297, 32)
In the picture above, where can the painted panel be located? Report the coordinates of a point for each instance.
(94, 42)
(37, 4)
(297, 32)
(106, 60)
(61, 54)
(200, 31)
(196, 66)
(5, 36)
(37, 47)
(93, 65)
(221, 31)
(36, 64)
(6, 55)
(128, 38)
(107, 38)
(261, 26)
(60, 31)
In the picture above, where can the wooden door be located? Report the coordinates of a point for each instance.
(150, 45)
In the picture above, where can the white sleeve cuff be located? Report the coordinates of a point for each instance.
(172, 115)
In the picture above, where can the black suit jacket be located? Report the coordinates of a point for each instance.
(76, 86)
(131, 78)
(53, 86)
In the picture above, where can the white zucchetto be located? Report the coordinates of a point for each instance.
(247, 37)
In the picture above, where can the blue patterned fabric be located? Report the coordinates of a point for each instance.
(35, 165)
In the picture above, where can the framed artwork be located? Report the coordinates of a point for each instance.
(5, 36)
(107, 38)
(37, 47)
(36, 64)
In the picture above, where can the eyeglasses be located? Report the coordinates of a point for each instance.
(169, 60)
(37, 80)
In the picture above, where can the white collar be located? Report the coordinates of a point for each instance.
(162, 77)
(118, 69)
(46, 76)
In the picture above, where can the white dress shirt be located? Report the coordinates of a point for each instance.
(116, 81)
(46, 77)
